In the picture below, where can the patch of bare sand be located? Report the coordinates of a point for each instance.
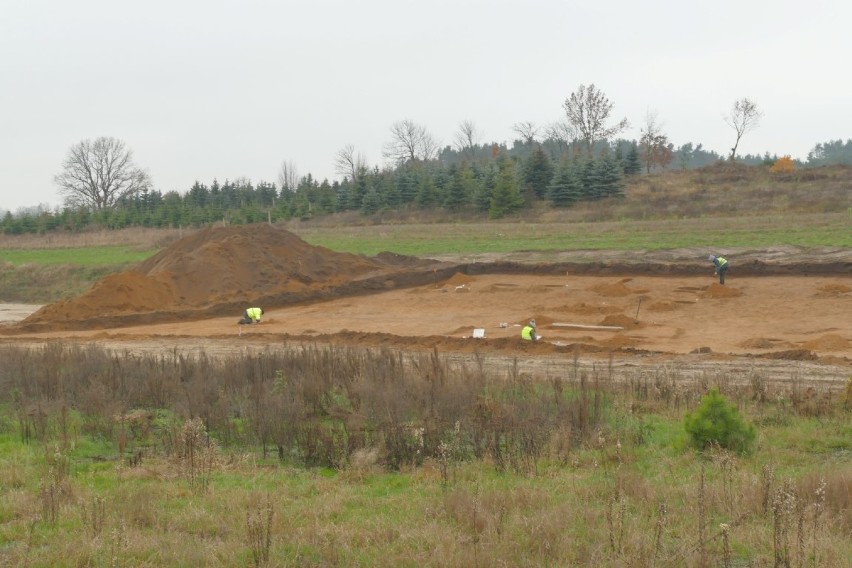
(833, 291)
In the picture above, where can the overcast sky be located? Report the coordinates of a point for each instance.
(204, 89)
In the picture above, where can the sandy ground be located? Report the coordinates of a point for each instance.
(10, 313)
(750, 315)
(785, 325)
(784, 310)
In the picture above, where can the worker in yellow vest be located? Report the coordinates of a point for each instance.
(528, 332)
(252, 315)
(721, 265)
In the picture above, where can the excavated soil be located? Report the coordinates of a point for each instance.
(637, 308)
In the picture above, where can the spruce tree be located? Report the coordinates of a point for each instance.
(372, 201)
(565, 189)
(427, 193)
(632, 165)
(505, 199)
(456, 197)
(609, 178)
(538, 171)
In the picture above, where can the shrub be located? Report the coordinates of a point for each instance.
(717, 422)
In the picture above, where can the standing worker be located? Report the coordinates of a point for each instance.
(721, 266)
(528, 333)
(252, 315)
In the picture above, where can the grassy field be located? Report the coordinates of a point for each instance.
(89, 256)
(830, 229)
(124, 476)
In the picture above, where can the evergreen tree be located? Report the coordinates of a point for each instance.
(461, 187)
(632, 164)
(427, 193)
(482, 198)
(610, 177)
(505, 199)
(565, 189)
(406, 184)
(538, 171)
(372, 201)
(587, 173)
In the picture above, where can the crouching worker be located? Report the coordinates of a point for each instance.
(251, 315)
(720, 266)
(528, 333)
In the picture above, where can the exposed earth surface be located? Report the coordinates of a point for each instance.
(784, 313)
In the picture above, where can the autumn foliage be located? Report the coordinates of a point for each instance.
(783, 165)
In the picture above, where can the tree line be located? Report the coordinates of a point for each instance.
(493, 180)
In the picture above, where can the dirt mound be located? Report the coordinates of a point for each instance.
(458, 279)
(761, 343)
(215, 266)
(828, 342)
(833, 291)
(720, 291)
(620, 320)
(614, 289)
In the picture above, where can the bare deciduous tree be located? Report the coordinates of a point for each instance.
(528, 131)
(588, 110)
(743, 117)
(655, 149)
(411, 142)
(349, 163)
(467, 138)
(98, 173)
(288, 176)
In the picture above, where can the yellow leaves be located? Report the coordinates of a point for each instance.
(783, 165)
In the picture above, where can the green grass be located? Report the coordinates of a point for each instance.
(505, 237)
(88, 256)
(377, 518)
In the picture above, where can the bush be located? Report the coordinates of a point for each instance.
(717, 422)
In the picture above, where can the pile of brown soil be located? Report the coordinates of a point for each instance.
(227, 267)
(615, 289)
(720, 291)
(620, 320)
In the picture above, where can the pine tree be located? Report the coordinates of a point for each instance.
(538, 171)
(506, 199)
(406, 185)
(427, 193)
(632, 163)
(587, 173)
(457, 196)
(482, 198)
(609, 178)
(372, 201)
(565, 188)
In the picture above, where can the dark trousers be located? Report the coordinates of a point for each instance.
(722, 270)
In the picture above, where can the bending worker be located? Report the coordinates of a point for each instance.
(528, 333)
(252, 315)
(721, 267)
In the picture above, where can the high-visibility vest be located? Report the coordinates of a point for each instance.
(528, 333)
(254, 313)
(722, 261)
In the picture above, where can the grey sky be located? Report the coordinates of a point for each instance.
(225, 89)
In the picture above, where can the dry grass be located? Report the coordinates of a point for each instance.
(616, 495)
(139, 238)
